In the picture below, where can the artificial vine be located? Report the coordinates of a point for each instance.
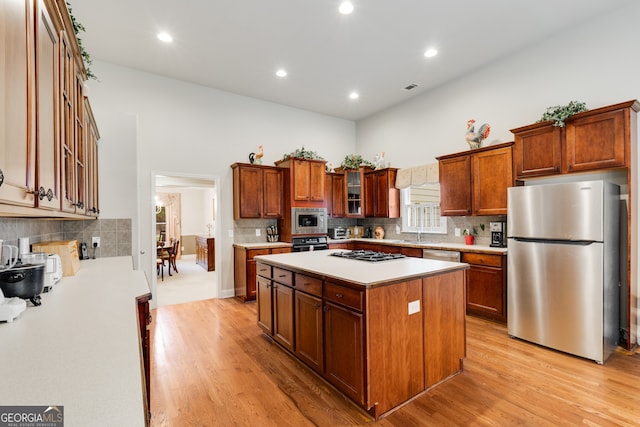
(77, 29)
(559, 113)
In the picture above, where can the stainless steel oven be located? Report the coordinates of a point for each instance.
(308, 221)
(309, 243)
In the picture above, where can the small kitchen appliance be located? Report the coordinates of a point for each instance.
(24, 281)
(498, 232)
(53, 271)
(338, 233)
(308, 221)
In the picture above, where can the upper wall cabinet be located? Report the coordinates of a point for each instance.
(17, 125)
(382, 198)
(43, 115)
(306, 181)
(592, 140)
(475, 182)
(257, 191)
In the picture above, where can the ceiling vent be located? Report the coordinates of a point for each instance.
(411, 86)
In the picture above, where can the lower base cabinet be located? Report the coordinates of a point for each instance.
(344, 340)
(244, 269)
(309, 320)
(486, 285)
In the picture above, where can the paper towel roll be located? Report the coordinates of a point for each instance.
(23, 244)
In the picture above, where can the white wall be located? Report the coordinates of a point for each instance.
(596, 63)
(186, 128)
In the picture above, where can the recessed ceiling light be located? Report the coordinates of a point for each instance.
(430, 53)
(281, 73)
(354, 95)
(346, 7)
(165, 37)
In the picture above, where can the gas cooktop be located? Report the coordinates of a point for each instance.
(371, 256)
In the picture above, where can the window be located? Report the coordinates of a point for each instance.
(421, 210)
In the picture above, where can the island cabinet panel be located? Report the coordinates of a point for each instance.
(265, 304)
(344, 350)
(395, 352)
(444, 325)
(308, 327)
(283, 315)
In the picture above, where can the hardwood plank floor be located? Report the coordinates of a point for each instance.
(211, 367)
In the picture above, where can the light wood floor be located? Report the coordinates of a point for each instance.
(211, 367)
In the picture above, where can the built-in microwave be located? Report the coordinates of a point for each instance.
(308, 221)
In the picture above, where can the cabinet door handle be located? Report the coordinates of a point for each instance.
(317, 306)
(339, 296)
(49, 194)
(1, 178)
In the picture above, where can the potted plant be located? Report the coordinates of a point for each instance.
(354, 161)
(469, 235)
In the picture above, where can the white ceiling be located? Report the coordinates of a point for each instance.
(237, 45)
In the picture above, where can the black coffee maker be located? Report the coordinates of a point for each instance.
(498, 232)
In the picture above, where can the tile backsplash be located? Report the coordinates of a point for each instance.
(114, 233)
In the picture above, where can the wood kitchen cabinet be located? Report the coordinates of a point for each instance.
(257, 191)
(354, 181)
(344, 339)
(205, 252)
(475, 182)
(244, 269)
(92, 138)
(486, 285)
(334, 195)
(44, 126)
(382, 198)
(592, 140)
(306, 183)
(265, 298)
(309, 321)
(283, 304)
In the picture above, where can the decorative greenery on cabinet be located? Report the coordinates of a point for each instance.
(559, 113)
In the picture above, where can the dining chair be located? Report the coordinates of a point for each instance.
(160, 258)
(173, 255)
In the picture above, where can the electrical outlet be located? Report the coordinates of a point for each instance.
(457, 232)
(258, 232)
(230, 233)
(95, 242)
(414, 307)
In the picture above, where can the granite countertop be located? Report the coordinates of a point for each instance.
(428, 245)
(364, 273)
(262, 245)
(80, 349)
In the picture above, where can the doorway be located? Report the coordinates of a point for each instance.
(186, 207)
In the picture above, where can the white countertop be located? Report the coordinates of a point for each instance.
(360, 272)
(80, 348)
(428, 245)
(262, 245)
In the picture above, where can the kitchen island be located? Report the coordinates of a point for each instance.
(380, 332)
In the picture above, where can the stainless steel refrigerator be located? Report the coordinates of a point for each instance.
(563, 266)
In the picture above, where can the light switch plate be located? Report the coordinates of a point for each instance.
(258, 232)
(457, 232)
(414, 307)
(230, 233)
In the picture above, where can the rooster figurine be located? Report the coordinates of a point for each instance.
(256, 158)
(475, 139)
